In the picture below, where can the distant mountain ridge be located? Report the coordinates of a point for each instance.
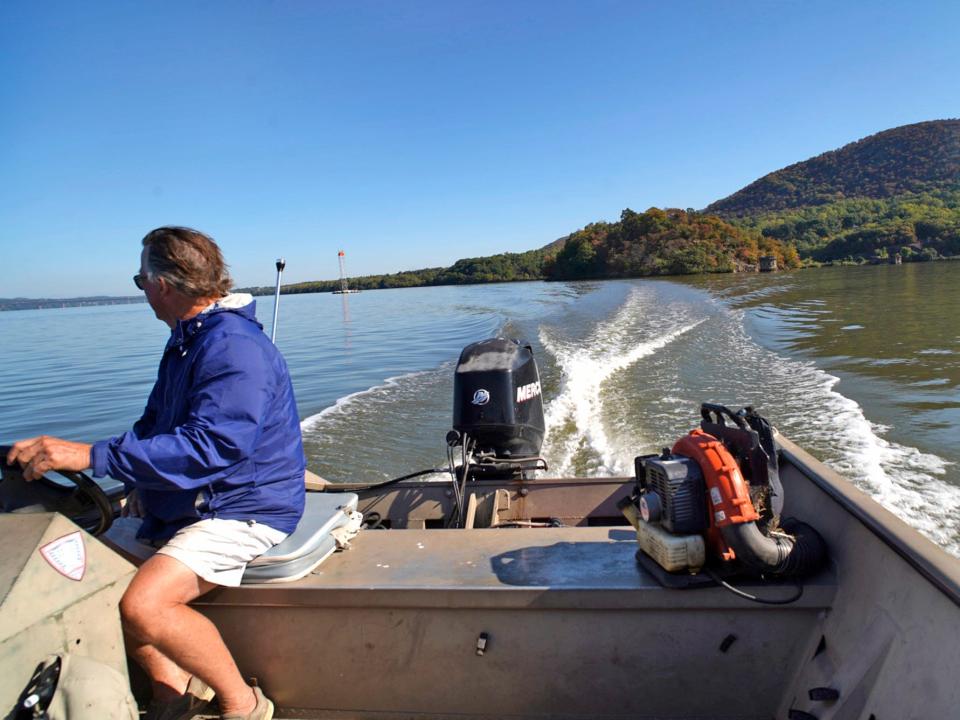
(893, 193)
(911, 159)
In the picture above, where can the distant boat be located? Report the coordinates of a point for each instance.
(344, 288)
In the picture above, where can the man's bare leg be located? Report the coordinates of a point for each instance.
(157, 618)
(168, 680)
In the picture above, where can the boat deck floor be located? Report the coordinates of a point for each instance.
(399, 614)
(505, 567)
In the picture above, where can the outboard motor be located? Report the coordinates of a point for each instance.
(497, 416)
(497, 403)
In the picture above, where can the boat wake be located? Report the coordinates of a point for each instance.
(804, 402)
(630, 387)
(344, 404)
(903, 479)
(577, 441)
(387, 430)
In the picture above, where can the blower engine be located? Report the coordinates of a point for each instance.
(498, 409)
(716, 495)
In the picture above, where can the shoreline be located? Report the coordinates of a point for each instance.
(14, 304)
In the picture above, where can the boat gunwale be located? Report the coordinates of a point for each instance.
(934, 563)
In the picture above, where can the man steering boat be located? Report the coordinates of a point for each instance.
(214, 468)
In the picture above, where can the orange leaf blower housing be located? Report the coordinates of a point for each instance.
(729, 493)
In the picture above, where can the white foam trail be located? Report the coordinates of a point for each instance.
(585, 367)
(901, 478)
(342, 404)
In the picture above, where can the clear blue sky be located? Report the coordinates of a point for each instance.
(415, 133)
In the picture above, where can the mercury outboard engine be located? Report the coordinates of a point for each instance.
(497, 406)
(497, 415)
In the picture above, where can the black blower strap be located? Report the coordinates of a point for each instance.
(750, 440)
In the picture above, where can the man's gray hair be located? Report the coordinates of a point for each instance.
(187, 259)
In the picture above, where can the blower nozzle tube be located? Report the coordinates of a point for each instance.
(801, 551)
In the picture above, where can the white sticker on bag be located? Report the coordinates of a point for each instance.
(715, 496)
(67, 555)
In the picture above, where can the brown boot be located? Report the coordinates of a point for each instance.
(262, 711)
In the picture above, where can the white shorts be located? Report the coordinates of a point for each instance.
(216, 550)
(219, 550)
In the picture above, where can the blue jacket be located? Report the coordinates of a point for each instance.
(220, 436)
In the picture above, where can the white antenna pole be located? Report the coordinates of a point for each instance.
(281, 264)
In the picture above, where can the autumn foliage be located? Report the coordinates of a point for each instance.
(663, 242)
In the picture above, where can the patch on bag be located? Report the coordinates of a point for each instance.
(67, 555)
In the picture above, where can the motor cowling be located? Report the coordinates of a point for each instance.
(497, 399)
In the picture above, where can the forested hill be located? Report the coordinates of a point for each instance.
(912, 159)
(896, 192)
(663, 242)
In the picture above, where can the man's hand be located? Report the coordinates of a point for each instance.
(132, 506)
(42, 454)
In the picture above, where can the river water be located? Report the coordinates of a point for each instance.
(857, 365)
